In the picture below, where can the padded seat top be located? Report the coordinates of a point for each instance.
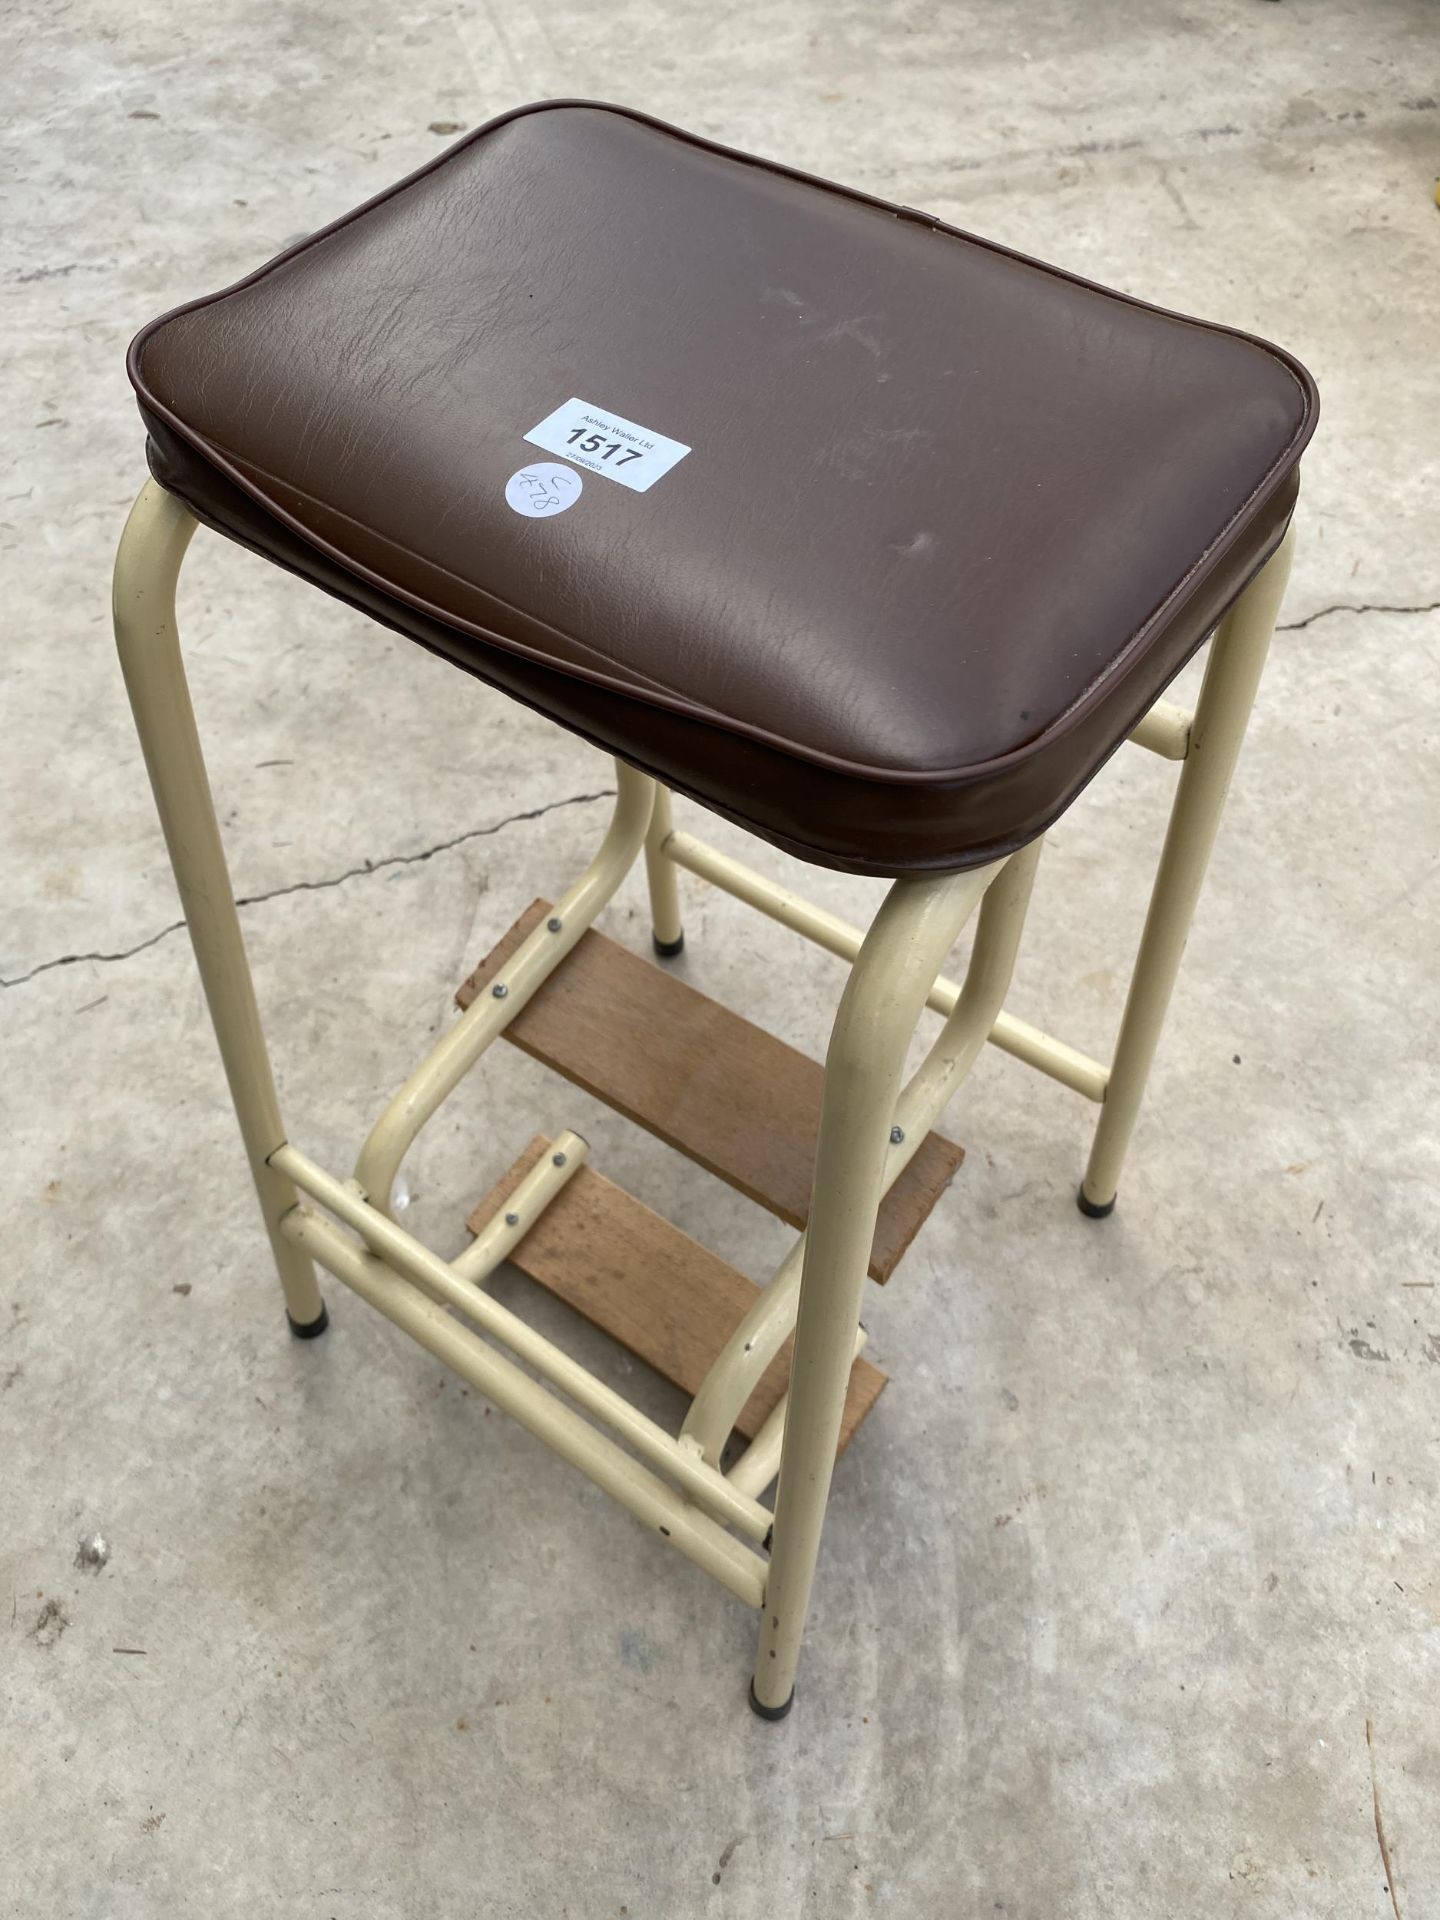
(871, 535)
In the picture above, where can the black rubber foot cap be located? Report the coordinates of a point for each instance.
(770, 1713)
(1090, 1209)
(667, 949)
(309, 1329)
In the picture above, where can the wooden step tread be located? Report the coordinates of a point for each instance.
(705, 1080)
(631, 1273)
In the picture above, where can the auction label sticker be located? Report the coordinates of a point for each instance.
(607, 443)
(543, 490)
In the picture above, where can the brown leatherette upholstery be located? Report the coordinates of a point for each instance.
(950, 521)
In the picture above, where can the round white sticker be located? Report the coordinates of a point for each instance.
(543, 490)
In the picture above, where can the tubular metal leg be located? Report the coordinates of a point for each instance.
(667, 930)
(883, 998)
(532, 962)
(1002, 893)
(1237, 657)
(146, 567)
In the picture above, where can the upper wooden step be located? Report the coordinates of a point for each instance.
(703, 1079)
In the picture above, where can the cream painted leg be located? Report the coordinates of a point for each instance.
(1237, 657)
(146, 568)
(883, 998)
(667, 931)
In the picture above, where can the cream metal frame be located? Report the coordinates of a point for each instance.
(870, 1124)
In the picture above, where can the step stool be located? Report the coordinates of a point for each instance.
(870, 536)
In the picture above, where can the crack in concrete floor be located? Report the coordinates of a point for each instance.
(1350, 606)
(319, 886)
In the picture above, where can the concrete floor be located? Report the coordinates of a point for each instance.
(1141, 1538)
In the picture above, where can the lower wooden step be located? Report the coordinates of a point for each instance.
(662, 1295)
(702, 1078)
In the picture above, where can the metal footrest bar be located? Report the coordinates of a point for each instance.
(452, 1058)
(405, 1257)
(1061, 1062)
(1165, 730)
(599, 1458)
(746, 1354)
(760, 1462)
(771, 1320)
(497, 1238)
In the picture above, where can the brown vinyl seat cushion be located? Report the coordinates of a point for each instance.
(944, 524)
